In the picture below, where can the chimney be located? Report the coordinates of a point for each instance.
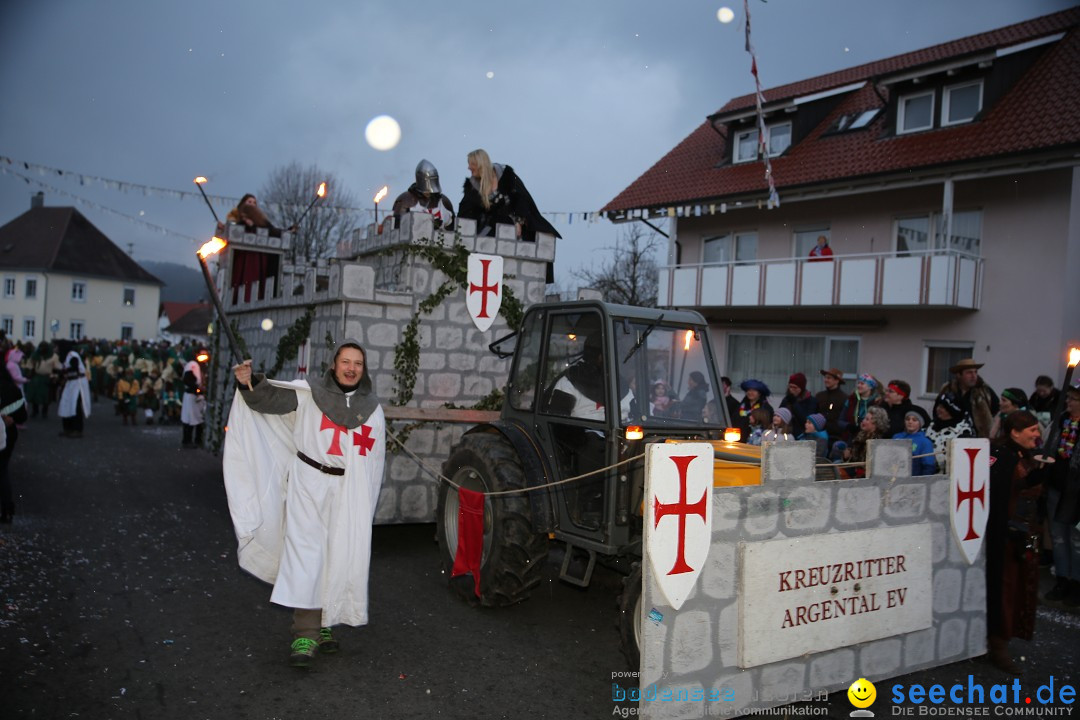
(37, 200)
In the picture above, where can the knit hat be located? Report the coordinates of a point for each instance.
(950, 403)
(798, 379)
(818, 419)
(913, 414)
(753, 384)
(784, 414)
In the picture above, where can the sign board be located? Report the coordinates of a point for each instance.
(678, 515)
(969, 493)
(808, 595)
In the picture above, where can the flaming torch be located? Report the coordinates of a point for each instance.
(379, 196)
(212, 247)
(319, 195)
(1049, 448)
(199, 182)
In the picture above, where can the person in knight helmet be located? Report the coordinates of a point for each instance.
(425, 195)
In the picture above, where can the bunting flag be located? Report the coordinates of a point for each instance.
(759, 100)
(9, 165)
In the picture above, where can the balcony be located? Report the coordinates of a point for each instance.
(941, 278)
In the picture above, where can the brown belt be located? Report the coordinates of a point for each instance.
(319, 466)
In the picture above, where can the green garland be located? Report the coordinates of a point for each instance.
(292, 340)
(453, 262)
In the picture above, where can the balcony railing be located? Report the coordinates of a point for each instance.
(939, 278)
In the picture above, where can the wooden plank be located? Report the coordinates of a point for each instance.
(462, 415)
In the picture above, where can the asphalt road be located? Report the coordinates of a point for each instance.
(120, 597)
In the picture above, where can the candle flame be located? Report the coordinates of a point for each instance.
(211, 247)
(686, 342)
(200, 180)
(1074, 357)
(322, 190)
(381, 194)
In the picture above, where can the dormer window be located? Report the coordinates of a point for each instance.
(778, 139)
(915, 112)
(961, 103)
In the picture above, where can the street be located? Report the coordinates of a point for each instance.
(122, 599)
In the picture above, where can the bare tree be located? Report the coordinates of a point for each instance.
(288, 192)
(630, 276)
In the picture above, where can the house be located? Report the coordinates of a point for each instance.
(945, 181)
(179, 321)
(64, 279)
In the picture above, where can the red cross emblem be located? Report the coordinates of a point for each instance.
(484, 288)
(335, 444)
(971, 494)
(682, 510)
(363, 440)
(484, 296)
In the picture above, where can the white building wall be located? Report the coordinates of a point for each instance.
(102, 310)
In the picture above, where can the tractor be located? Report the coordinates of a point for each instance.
(590, 384)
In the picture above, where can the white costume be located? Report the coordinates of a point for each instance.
(74, 388)
(193, 407)
(306, 531)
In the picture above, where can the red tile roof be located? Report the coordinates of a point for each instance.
(1040, 111)
(176, 310)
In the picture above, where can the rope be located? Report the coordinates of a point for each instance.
(439, 477)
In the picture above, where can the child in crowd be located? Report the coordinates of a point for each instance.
(815, 430)
(759, 419)
(781, 427)
(920, 445)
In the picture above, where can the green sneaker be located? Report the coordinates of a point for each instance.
(303, 652)
(327, 643)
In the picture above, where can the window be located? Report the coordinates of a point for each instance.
(29, 327)
(915, 112)
(777, 139)
(939, 357)
(78, 291)
(966, 232)
(773, 358)
(129, 296)
(737, 247)
(863, 119)
(127, 332)
(31, 288)
(961, 103)
(76, 332)
(9, 287)
(7, 324)
(912, 234)
(806, 239)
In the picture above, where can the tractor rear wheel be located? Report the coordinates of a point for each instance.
(513, 553)
(630, 617)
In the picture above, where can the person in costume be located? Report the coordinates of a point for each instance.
(1013, 531)
(494, 194)
(193, 405)
(75, 396)
(303, 467)
(12, 414)
(425, 196)
(46, 365)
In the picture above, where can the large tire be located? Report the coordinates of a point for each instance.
(630, 618)
(514, 554)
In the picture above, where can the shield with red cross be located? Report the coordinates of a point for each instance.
(969, 492)
(678, 515)
(483, 296)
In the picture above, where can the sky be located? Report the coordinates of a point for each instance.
(579, 97)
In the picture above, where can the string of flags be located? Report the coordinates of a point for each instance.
(759, 100)
(10, 165)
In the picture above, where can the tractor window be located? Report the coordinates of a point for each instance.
(673, 367)
(574, 384)
(522, 386)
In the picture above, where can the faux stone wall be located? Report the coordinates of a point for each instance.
(371, 294)
(696, 647)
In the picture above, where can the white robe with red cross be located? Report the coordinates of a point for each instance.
(305, 531)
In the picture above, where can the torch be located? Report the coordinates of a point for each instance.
(199, 181)
(209, 248)
(319, 194)
(379, 196)
(1049, 448)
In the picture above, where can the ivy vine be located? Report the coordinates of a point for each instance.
(292, 340)
(453, 262)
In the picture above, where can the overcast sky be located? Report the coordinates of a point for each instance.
(580, 97)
